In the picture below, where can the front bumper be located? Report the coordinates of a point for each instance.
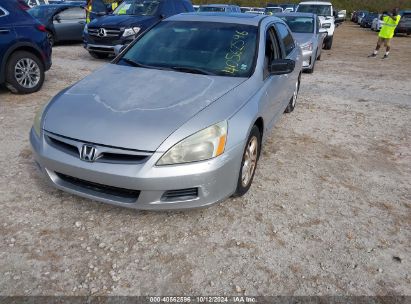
(307, 59)
(143, 185)
(104, 45)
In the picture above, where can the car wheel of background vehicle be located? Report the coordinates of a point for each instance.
(293, 100)
(310, 71)
(24, 73)
(249, 162)
(50, 38)
(99, 55)
(328, 43)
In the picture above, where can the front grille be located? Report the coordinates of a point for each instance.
(105, 154)
(109, 32)
(104, 191)
(180, 195)
(62, 146)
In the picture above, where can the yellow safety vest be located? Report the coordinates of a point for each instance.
(388, 28)
(114, 5)
(88, 10)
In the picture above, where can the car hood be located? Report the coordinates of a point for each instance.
(303, 38)
(120, 21)
(132, 108)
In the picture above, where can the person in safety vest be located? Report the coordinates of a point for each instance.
(387, 32)
(89, 7)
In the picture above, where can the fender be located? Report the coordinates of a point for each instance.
(12, 49)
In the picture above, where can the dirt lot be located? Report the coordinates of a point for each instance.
(328, 213)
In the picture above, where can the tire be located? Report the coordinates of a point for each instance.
(99, 55)
(24, 73)
(310, 71)
(50, 38)
(293, 101)
(251, 155)
(328, 43)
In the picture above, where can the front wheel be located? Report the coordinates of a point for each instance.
(249, 162)
(24, 73)
(50, 38)
(328, 43)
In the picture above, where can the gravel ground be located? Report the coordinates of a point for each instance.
(328, 212)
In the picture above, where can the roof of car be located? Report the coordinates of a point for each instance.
(295, 15)
(217, 5)
(315, 2)
(239, 18)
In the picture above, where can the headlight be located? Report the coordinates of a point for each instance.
(131, 31)
(326, 25)
(307, 47)
(37, 119)
(205, 144)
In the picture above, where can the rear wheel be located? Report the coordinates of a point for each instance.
(99, 55)
(251, 155)
(24, 73)
(293, 100)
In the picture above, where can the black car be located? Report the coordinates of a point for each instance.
(25, 53)
(367, 20)
(405, 23)
(131, 18)
(64, 22)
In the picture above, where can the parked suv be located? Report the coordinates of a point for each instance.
(25, 53)
(324, 11)
(131, 18)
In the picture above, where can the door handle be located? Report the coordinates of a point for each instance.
(82, 22)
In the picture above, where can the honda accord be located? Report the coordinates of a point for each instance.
(177, 120)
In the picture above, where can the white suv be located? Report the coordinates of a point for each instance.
(324, 11)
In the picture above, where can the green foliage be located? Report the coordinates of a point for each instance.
(349, 5)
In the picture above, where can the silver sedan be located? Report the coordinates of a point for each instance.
(310, 36)
(177, 120)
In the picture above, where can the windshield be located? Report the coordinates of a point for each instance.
(42, 12)
(299, 24)
(198, 47)
(320, 10)
(137, 7)
(211, 9)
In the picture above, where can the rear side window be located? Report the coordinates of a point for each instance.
(286, 38)
(73, 13)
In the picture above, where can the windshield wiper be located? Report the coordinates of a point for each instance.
(192, 70)
(137, 64)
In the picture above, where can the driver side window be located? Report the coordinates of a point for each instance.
(272, 50)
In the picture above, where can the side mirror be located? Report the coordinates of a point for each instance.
(118, 49)
(57, 18)
(282, 66)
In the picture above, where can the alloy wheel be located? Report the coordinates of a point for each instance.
(27, 73)
(250, 161)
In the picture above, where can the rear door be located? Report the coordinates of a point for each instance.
(69, 24)
(7, 35)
